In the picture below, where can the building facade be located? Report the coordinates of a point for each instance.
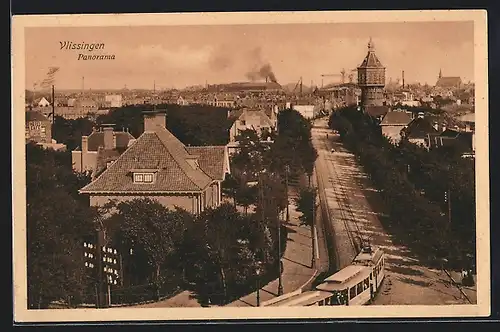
(257, 120)
(38, 128)
(158, 166)
(99, 149)
(371, 79)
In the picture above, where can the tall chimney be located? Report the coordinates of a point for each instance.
(85, 144)
(403, 78)
(108, 138)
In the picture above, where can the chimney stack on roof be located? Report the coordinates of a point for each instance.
(85, 144)
(109, 139)
(153, 119)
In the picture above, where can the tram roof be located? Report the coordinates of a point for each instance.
(349, 276)
(303, 299)
(345, 274)
(373, 256)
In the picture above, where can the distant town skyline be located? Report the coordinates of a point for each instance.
(180, 56)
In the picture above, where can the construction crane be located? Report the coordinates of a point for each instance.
(342, 76)
(299, 84)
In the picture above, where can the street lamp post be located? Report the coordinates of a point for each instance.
(287, 203)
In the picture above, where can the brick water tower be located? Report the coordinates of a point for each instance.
(371, 79)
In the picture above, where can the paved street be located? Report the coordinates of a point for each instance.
(355, 206)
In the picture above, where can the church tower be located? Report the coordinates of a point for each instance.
(371, 79)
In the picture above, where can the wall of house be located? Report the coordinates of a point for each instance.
(211, 196)
(418, 141)
(39, 131)
(89, 162)
(392, 132)
(189, 203)
(250, 122)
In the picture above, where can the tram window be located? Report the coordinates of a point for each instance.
(366, 284)
(359, 288)
(352, 293)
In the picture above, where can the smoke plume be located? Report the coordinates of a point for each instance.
(261, 70)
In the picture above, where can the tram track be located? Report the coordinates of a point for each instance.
(342, 201)
(344, 209)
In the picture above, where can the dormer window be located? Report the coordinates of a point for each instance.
(143, 177)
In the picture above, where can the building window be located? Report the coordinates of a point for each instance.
(243, 122)
(138, 177)
(143, 177)
(42, 132)
(148, 178)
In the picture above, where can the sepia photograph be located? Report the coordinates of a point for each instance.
(250, 165)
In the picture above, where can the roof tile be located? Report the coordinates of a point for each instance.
(159, 150)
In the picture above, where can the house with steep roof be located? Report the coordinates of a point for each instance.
(99, 149)
(244, 119)
(461, 141)
(43, 102)
(159, 166)
(377, 112)
(419, 131)
(393, 122)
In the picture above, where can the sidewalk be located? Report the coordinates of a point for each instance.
(470, 291)
(297, 269)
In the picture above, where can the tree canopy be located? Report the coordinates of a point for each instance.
(414, 183)
(57, 224)
(194, 125)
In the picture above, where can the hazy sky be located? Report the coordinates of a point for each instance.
(187, 55)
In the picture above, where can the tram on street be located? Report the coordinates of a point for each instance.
(356, 284)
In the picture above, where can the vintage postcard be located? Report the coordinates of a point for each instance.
(250, 166)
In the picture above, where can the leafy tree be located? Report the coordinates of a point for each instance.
(248, 159)
(70, 132)
(57, 225)
(153, 232)
(413, 182)
(193, 125)
(230, 186)
(219, 240)
(306, 205)
(246, 195)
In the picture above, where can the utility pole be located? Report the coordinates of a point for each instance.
(313, 229)
(53, 105)
(280, 264)
(287, 203)
(449, 207)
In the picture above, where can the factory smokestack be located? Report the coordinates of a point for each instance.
(264, 72)
(403, 78)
